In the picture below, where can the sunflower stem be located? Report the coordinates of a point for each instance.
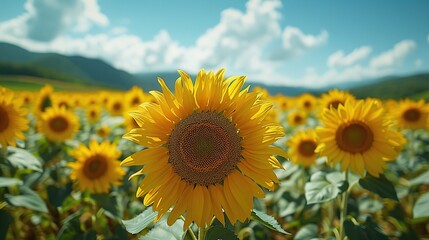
(344, 207)
(189, 230)
(202, 233)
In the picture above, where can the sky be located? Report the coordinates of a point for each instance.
(296, 43)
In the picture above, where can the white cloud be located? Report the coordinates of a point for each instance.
(339, 59)
(394, 56)
(44, 20)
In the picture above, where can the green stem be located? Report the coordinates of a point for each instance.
(201, 233)
(189, 230)
(344, 206)
(3, 204)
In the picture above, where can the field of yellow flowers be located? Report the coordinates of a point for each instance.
(211, 159)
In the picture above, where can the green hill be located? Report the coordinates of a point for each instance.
(85, 69)
(395, 87)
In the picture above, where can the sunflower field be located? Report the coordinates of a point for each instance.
(211, 159)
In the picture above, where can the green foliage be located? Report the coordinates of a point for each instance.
(367, 231)
(421, 208)
(268, 221)
(6, 182)
(140, 222)
(324, 187)
(21, 158)
(28, 199)
(218, 232)
(309, 231)
(380, 186)
(5, 220)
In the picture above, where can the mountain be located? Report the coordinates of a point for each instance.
(93, 71)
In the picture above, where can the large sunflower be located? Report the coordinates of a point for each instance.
(209, 149)
(410, 114)
(301, 148)
(58, 124)
(359, 135)
(96, 168)
(12, 119)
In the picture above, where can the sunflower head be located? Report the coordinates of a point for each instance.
(359, 135)
(411, 115)
(307, 102)
(58, 124)
(43, 100)
(134, 97)
(208, 149)
(296, 118)
(116, 105)
(12, 119)
(96, 167)
(302, 146)
(334, 98)
(93, 113)
(103, 131)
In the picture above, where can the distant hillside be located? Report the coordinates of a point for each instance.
(395, 87)
(86, 69)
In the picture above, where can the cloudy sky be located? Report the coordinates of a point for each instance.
(300, 42)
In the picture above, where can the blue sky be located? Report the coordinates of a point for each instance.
(303, 43)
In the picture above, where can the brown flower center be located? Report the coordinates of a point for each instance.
(58, 124)
(307, 147)
(4, 119)
(204, 147)
(298, 119)
(307, 104)
(135, 101)
(95, 166)
(412, 115)
(117, 106)
(355, 137)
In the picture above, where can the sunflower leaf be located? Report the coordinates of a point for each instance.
(380, 186)
(6, 182)
(268, 221)
(324, 187)
(28, 199)
(309, 231)
(140, 222)
(421, 207)
(367, 230)
(219, 232)
(5, 220)
(20, 158)
(161, 230)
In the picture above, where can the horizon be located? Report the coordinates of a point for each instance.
(270, 42)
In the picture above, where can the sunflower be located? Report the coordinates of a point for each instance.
(134, 97)
(334, 98)
(44, 100)
(296, 118)
(12, 119)
(96, 168)
(116, 105)
(307, 102)
(301, 148)
(130, 122)
(93, 113)
(209, 149)
(103, 131)
(359, 135)
(58, 124)
(410, 114)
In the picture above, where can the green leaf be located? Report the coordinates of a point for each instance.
(421, 207)
(108, 202)
(56, 195)
(21, 158)
(367, 231)
(28, 199)
(5, 220)
(323, 188)
(380, 186)
(140, 222)
(6, 182)
(161, 230)
(421, 179)
(268, 221)
(218, 232)
(307, 232)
